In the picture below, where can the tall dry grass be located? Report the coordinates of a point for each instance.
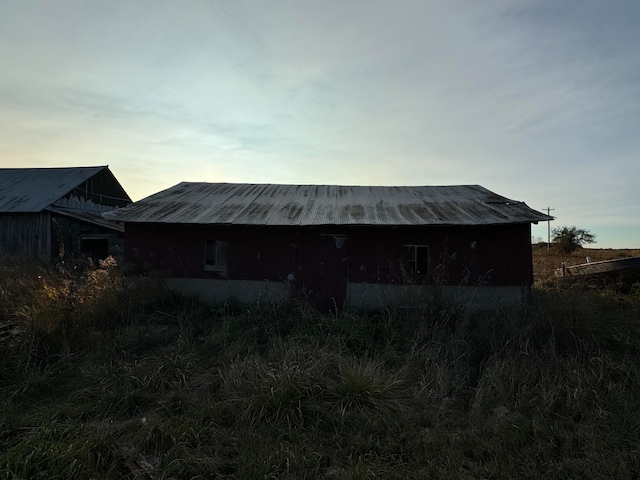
(100, 380)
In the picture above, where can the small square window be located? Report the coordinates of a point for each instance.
(416, 259)
(215, 257)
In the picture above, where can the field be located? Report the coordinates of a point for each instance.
(100, 380)
(546, 261)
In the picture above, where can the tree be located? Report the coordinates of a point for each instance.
(570, 238)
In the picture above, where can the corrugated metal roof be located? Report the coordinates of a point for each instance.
(25, 190)
(268, 204)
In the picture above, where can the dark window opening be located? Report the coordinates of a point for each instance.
(215, 258)
(96, 248)
(416, 260)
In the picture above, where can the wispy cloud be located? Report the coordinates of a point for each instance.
(537, 100)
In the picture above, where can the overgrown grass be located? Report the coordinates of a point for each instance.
(102, 380)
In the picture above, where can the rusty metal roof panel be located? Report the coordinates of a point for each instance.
(252, 206)
(293, 203)
(357, 205)
(273, 205)
(215, 203)
(321, 208)
(306, 205)
(29, 190)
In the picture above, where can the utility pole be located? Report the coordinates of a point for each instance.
(549, 228)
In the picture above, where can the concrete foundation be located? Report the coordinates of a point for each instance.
(360, 296)
(371, 297)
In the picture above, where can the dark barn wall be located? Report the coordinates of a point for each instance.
(488, 255)
(84, 238)
(42, 234)
(26, 233)
(253, 253)
(492, 255)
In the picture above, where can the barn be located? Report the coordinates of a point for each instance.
(57, 212)
(355, 247)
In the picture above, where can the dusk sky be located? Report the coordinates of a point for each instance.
(535, 100)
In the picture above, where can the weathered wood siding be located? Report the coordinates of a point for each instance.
(73, 233)
(26, 234)
(42, 235)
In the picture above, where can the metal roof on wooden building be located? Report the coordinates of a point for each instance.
(30, 190)
(308, 205)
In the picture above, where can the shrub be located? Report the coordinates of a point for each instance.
(570, 238)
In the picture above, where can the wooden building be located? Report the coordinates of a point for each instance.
(338, 246)
(56, 212)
